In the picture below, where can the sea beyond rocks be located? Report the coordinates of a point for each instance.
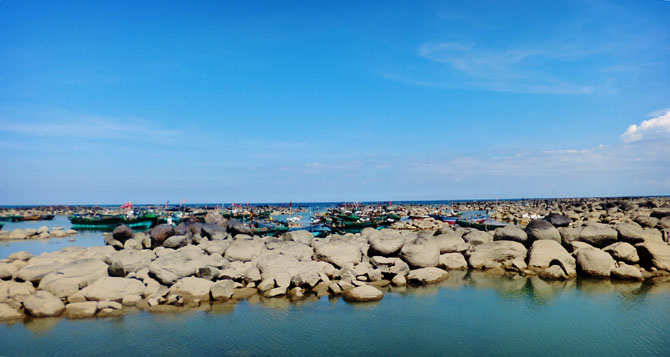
(195, 263)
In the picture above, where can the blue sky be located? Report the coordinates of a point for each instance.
(108, 102)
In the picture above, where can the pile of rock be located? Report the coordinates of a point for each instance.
(40, 233)
(196, 263)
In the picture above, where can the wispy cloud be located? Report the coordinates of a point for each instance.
(655, 128)
(68, 125)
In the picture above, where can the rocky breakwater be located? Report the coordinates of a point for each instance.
(195, 264)
(40, 233)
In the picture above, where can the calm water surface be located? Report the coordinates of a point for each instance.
(38, 246)
(469, 314)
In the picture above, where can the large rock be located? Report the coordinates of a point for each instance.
(421, 252)
(558, 220)
(498, 254)
(664, 223)
(569, 235)
(244, 250)
(623, 271)
(301, 236)
(182, 263)
(633, 233)
(646, 221)
(35, 272)
(214, 217)
(477, 237)
(594, 262)
(511, 233)
(222, 290)
(545, 253)
(654, 254)
(387, 243)
(113, 289)
(623, 251)
(8, 313)
(362, 294)
(175, 242)
(160, 233)
(192, 290)
(235, 227)
(539, 229)
(18, 234)
(300, 251)
(122, 233)
(453, 261)
(129, 260)
(213, 231)
(450, 242)
(215, 246)
(72, 276)
(427, 275)
(43, 304)
(338, 252)
(598, 235)
(80, 310)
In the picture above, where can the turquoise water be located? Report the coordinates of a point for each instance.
(38, 246)
(469, 314)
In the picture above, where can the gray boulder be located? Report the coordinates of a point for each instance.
(429, 275)
(546, 253)
(421, 253)
(181, 263)
(213, 231)
(122, 233)
(623, 251)
(214, 217)
(498, 254)
(175, 242)
(193, 291)
(569, 235)
(539, 229)
(222, 290)
(646, 221)
(235, 227)
(79, 310)
(623, 271)
(453, 261)
(112, 289)
(477, 237)
(43, 304)
(595, 262)
(129, 260)
(633, 233)
(72, 276)
(301, 236)
(598, 235)
(653, 254)
(8, 313)
(244, 250)
(388, 243)
(160, 233)
(450, 242)
(362, 294)
(300, 251)
(558, 220)
(511, 233)
(338, 252)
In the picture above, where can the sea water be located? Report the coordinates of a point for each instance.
(470, 314)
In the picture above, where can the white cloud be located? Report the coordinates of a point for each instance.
(654, 128)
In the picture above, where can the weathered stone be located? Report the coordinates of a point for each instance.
(558, 220)
(244, 250)
(654, 255)
(387, 243)
(545, 253)
(539, 229)
(160, 233)
(129, 260)
(429, 275)
(222, 290)
(623, 271)
(68, 278)
(598, 235)
(451, 242)
(512, 233)
(477, 237)
(595, 262)
(362, 294)
(122, 233)
(421, 252)
(8, 313)
(453, 261)
(399, 280)
(214, 217)
(113, 289)
(193, 290)
(338, 252)
(175, 242)
(623, 251)
(80, 310)
(569, 235)
(497, 255)
(43, 304)
(22, 255)
(301, 236)
(181, 263)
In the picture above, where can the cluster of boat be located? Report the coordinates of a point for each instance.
(32, 217)
(266, 222)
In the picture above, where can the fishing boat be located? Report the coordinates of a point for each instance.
(444, 218)
(1, 224)
(33, 217)
(107, 222)
(47, 217)
(482, 226)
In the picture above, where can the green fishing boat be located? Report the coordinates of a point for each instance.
(107, 222)
(1, 224)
